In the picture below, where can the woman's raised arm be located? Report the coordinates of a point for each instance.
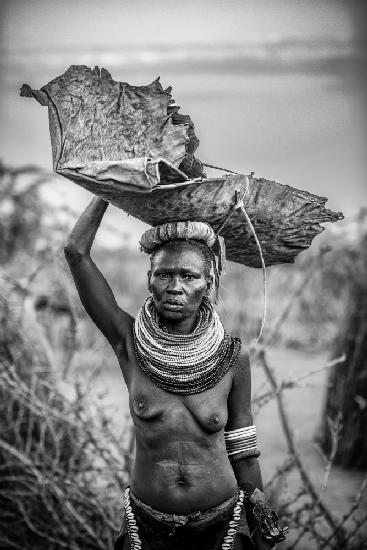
(94, 291)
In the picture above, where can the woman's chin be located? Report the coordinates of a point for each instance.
(172, 315)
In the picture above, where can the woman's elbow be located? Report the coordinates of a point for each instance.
(72, 254)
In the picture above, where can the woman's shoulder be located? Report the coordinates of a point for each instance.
(243, 356)
(242, 366)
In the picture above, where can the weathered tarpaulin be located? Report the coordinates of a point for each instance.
(129, 145)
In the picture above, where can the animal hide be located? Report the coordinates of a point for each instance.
(129, 145)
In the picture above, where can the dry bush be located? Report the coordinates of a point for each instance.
(312, 525)
(62, 470)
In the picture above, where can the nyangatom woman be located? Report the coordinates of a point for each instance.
(195, 482)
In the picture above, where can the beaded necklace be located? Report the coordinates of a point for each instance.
(184, 363)
(133, 530)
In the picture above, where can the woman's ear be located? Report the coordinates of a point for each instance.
(209, 285)
(149, 277)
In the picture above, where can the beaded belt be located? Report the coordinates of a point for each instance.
(133, 530)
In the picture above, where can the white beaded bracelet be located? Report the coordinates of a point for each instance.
(242, 440)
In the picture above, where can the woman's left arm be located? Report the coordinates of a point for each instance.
(246, 468)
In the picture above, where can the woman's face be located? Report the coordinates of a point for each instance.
(178, 281)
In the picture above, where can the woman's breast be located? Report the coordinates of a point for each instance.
(176, 427)
(206, 411)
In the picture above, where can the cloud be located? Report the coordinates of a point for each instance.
(257, 55)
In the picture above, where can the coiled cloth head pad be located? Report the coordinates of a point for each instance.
(155, 237)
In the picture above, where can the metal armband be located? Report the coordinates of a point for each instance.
(241, 443)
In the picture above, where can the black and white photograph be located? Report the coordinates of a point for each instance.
(183, 275)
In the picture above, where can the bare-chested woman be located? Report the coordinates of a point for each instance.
(185, 493)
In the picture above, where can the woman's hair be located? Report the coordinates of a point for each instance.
(206, 253)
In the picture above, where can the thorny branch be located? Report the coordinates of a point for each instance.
(260, 356)
(316, 513)
(348, 515)
(260, 399)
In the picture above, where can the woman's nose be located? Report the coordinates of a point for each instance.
(174, 285)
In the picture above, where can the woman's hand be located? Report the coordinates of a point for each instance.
(260, 543)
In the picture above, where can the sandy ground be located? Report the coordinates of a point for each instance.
(304, 408)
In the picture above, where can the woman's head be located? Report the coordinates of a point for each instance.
(182, 259)
(179, 277)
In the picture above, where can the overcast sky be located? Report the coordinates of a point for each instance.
(274, 87)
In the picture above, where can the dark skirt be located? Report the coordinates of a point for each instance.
(197, 531)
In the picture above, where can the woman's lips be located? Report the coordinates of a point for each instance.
(173, 306)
